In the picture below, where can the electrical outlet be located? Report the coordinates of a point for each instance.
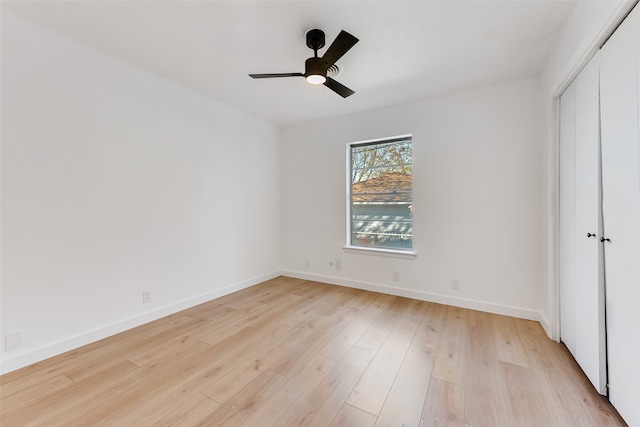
(338, 263)
(396, 276)
(146, 297)
(455, 284)
(306, 263)
(13, 340)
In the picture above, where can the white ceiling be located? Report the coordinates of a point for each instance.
(407, 50)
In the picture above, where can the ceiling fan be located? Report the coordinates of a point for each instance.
(315, 69)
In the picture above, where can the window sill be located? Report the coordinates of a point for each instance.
(380, 252)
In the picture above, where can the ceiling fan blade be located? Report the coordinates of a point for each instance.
(269, 76)
(338, 88)
(339, 47)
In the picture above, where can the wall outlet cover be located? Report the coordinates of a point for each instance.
(13, 340)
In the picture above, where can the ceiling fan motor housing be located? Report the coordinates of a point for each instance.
(315, 66)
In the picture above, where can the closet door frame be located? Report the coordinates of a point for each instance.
(556, 247)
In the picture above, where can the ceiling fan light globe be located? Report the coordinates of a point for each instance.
(316, 79)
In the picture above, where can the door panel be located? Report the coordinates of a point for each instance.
(621, 214)
(567, 218)
(590, 352)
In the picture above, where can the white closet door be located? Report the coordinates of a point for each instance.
(567, 218)
(621, 213)
(590, 351)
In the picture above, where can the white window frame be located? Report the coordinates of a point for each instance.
(348, 247)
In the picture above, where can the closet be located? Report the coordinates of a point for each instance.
(600, 219)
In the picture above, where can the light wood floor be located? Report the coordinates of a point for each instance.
(290, 352)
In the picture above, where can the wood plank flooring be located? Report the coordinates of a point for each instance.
(290, 352)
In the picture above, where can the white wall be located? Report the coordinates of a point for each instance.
(588, 27)
(479, 182)
(116, 181)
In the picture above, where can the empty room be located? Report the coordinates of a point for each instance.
(320, 213)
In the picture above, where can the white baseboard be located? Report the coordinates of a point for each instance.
(544, 321)
(522, 313)
(38, 354)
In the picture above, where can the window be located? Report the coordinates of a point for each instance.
(380, 198)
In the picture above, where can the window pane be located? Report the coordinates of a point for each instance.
(381, 197)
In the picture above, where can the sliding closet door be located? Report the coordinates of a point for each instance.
(590, 351)
(567, 249)
(581, 289)
(621, 212)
